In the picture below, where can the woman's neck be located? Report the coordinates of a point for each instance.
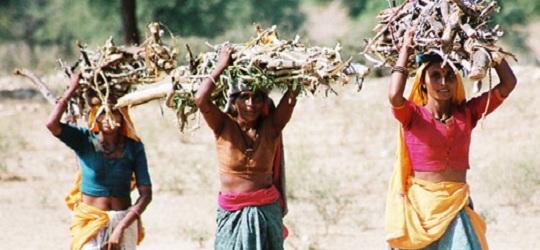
(439, 109)
(108, 139)
(245, 125)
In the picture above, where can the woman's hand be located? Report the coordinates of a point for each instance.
(75, 77)
(114, 240)
(408, 39)
(399, 71)
(224, 59)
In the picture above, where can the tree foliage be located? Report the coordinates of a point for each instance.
(210, 18)
(58, 21)
(61, 22)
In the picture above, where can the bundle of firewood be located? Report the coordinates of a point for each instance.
(460, 31)
(113, 71)
(129, 76)
(264, 62)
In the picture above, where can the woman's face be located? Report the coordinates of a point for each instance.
(249, 105)
(104, 125)
(441, 83)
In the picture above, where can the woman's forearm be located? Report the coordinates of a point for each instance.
(507, 78)
(135, 211)
(398, 78)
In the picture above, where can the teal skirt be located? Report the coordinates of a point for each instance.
(256, 227)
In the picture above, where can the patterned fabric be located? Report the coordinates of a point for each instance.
(253, 228)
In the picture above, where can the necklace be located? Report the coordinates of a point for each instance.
(248, 141)
(109, 151)
(443, 118)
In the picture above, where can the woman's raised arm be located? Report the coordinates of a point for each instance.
(399, 71)
(53, 122)
(507, 78)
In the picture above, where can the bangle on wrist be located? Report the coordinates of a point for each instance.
(62, 101)
(400, 69)
(135, 212)
(212, 79)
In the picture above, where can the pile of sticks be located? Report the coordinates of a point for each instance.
(458, 30)
(264, 62)
(130, 76)
(111, 72)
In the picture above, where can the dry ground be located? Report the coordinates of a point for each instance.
(339, 153)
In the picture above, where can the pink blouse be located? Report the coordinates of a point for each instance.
(433, 145)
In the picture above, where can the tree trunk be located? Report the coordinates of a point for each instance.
(129, 22)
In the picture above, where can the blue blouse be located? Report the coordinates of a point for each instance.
(103, 177)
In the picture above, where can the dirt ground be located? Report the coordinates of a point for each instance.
(339, 153)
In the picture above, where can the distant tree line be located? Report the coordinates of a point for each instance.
(60, 22)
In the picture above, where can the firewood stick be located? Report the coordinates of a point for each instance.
(41, 86)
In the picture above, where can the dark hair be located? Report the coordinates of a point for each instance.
(434, 58)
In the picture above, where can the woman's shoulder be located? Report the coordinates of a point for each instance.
(70, 129)
(133, 142)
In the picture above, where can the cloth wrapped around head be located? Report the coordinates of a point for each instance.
(237, 86)
(126, 125)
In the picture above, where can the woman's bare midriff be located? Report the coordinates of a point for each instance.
(447, 175)
(107, 203)
(235, 184)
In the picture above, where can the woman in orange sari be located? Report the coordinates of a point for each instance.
(428, 203)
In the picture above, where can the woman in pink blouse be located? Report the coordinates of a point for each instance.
(428, 204)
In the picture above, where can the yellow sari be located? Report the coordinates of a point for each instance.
(419, 212)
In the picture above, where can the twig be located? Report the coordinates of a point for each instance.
(42, 87)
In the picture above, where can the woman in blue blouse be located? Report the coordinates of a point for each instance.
(111, 157)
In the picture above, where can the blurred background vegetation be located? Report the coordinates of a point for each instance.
(35, 33)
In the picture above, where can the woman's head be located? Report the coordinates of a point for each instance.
(245, 102)
(249, 105)
(438, 80)
(108, 120)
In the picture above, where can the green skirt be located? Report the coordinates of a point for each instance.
(253, 227)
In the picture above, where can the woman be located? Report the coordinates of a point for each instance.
(428, 204)
(110, 154)
(248, 137)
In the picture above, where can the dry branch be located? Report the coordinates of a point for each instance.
(40, 85)
(128, 76)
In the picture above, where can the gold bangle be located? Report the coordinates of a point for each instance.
(400, 69)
